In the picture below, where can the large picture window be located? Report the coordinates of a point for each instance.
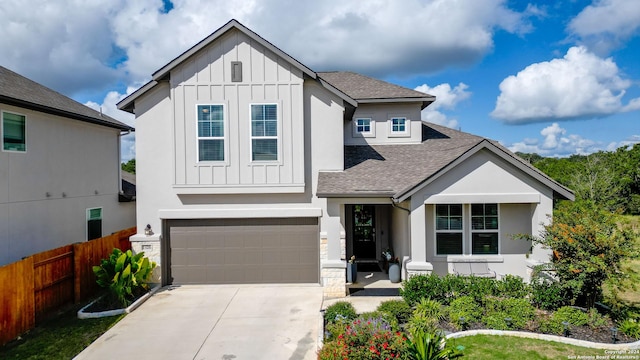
(484, 229)
(14, 132)
(264, 132)
(210, 133)
(449, 229)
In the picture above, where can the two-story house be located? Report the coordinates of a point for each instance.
(253, 168)
(59, 170)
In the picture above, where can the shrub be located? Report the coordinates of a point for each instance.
(340, 311)
(512, 286)
(479, 288)
(551, 325)
(422, 286)
(379, 316)
(426, 316)
(397, 308)
(365, 339)
(630, 327)
(507, 314)
(124, 275)
(431, 345)
(547, 294)
(596, 320)
(463, 307)
(571, 315)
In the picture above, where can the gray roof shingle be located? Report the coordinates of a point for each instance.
(361, 87)
(389, 170)
(17, 90)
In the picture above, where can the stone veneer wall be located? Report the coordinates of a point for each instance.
(333, 273)
(151, 247)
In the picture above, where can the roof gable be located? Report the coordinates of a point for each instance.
(17, 90)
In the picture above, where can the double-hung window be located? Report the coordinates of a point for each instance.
(14, 132)
(484, 229)
(210, 133)
(264, 132)
(449, 229)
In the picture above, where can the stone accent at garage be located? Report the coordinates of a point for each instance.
(334, 281)
(151, 246)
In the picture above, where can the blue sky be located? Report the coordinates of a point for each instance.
(552, 77)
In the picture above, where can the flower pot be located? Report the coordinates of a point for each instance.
(394, 272)
(352, 272)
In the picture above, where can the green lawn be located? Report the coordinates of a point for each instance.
(61, 337)
(489, 347)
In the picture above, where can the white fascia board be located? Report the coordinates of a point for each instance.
(127, 104)
(239, 213)
(338, 93)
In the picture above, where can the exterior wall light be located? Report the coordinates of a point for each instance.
(148, 231)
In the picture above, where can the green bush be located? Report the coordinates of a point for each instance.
(479, 288)
(365, 339)
(124, 275)
(428, 345)
(507, 314)
(630, 327)
(512, 286)
(464, 307)
(551, 325)
(422, 286)
(571, 315)
(597, 320)
(426, 316)
(547, 294)
(397, 308)
(341, 311)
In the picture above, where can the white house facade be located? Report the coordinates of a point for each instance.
(253, 168)
(59, 170)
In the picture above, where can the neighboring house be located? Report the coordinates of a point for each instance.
(59, 170)
(254, 168)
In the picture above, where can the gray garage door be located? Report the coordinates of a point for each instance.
(243, 251)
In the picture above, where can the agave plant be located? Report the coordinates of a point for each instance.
(123, 274)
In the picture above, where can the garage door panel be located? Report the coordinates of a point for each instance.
(228, 251)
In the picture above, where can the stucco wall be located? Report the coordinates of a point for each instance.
(380, 115)
(69, 166)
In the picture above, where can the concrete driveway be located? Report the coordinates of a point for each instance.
(217, 322)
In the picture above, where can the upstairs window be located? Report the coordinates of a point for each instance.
(484, 229)
(449, 229)
(363, 125)
(14, 132)
(399, 125)
(264, 132)
(210, 133)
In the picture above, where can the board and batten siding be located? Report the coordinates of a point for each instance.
(266, 79)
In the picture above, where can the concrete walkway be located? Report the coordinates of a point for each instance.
(217, 322)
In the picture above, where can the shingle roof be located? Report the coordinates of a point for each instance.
(389, 170)
(361, 87)
(17, 90)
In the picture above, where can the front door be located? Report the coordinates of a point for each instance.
(364, 232)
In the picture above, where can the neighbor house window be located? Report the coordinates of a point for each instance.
(264, 132)
(94, 223)
(363, 125)
(399, 125)
(14, 132)
(449, 229)
(210, 133)
(484, 229)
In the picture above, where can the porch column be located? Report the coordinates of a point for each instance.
(417, 220)
(332, 251)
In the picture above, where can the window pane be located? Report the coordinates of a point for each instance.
(477, 209)
(204, 129)
(211, 150)
(491, 209)
(442, 223)
(455, 223)
(217, 129)
(449, 243)
(484, 243)
(264, 149)
(477, 223)
(491, 222)
(256, 112)
(442, 210)
(14, 132)
(270, 112)
(455, 210)
(271, 128)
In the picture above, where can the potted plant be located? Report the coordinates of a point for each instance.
(352, 270)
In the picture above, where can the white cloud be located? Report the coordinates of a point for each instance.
(446, 98)
(580, 84)
(605, 24)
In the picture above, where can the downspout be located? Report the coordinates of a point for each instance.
(122, 133)
(405, 259)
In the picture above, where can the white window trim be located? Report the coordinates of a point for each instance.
(436, 231)
(407, 127)
(277, 137)
(86, 221)
(26, 148)
(467, 232)
(372, 127)
(225, 138)
(472, 231)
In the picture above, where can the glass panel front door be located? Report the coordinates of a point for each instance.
(364, 232)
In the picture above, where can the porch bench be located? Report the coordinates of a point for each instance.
(479, 269)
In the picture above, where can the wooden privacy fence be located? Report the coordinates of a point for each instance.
(36, 285)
